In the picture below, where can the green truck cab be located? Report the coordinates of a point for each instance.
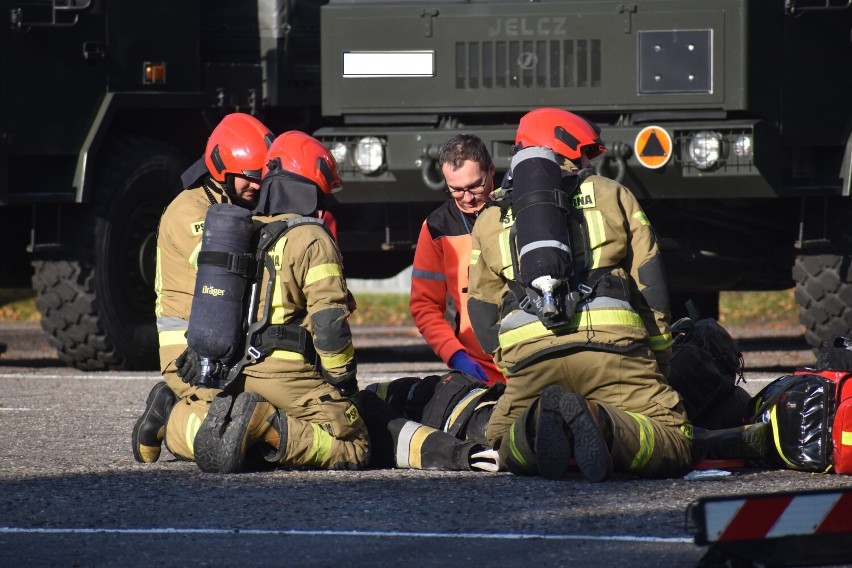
(730, 121)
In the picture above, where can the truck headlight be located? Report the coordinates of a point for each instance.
(340, 151)
(369, 154)
(705, 149)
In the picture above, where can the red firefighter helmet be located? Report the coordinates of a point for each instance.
(566, 133)
(302, 155)
(237, 145)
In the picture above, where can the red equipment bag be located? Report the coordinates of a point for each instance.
(834, 362)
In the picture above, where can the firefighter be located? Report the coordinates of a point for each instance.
(442, 256)
(228, 172)
(585, 358)
(296, 396)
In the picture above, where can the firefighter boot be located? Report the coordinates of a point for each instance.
(750, 442)
(232, 428)
(591, 451)
(150, 429)
(537, 442)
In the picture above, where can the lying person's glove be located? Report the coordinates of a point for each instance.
(463, 362)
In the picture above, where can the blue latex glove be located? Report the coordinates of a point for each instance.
(463, 362)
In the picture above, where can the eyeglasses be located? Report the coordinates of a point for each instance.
(473, 189)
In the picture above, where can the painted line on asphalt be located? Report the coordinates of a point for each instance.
(81, 377)
(390, 534)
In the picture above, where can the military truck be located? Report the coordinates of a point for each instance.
(729, 120)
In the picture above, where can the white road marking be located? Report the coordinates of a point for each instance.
(390, 534)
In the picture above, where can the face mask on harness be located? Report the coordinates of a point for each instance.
(542, 249)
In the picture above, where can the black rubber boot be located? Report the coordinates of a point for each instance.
(208, 439)
(552, 446)
(150, 430)
(589, 445)
(251, 417)
(749, 442)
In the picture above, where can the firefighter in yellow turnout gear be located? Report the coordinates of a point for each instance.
(295, 409)
(228, 172)
(590, 386)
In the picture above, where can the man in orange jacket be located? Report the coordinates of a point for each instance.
(443, 254)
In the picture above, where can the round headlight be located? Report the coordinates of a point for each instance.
(742, 147)
(705, 148)
(340, 152)
(369, 154)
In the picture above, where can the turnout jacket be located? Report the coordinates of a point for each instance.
(441, 262)
(310, 291)
(611, 235)
(178, 245)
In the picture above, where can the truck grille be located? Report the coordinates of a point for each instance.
(546, 64)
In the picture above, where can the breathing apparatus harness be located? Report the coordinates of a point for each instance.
(550, 279)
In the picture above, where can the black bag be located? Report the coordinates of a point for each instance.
(706, 366)
(800, 408)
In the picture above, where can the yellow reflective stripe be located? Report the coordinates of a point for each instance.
(469, 398)
(323, 271)
(660, 342)
(158, 286)
(277, 312)
(339, 360)
(514, 449)
(474, 256)
(642, 218)
(174, 337)
(586, 319)
(773, 418)
(415, 446)
(687, 430)
(193, 424)
(320, 446)
(646, 442)
(287, 355)
(193, 258)
(846, 438)
(382, 390)
(597, 235)
(506, 253)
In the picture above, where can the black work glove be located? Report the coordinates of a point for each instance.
(187, 366)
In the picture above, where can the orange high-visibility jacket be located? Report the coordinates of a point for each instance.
(441, 263)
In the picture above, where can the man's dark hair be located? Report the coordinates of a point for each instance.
(463, 147)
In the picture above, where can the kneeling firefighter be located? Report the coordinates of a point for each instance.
(568, 293)
(227, 173)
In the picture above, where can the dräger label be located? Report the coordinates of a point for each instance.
(212, 291)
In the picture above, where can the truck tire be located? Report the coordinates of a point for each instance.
(97, 302)
(824, 296)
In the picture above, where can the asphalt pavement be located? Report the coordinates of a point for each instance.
(72, 495)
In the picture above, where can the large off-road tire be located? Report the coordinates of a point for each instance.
(824, 295)
(97, 301)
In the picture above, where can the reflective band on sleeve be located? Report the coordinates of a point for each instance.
(426, 275)
(646, 442)
(172, 323)
(543, 244)
(474, 256)
(193, 425)
(403, 444)
(506, 254)
(193, 258)
(158, 286)
(287, 355)
(167, 338)
(320, 446)
(846, 438)
(597, 235)
(382, 390)
(661, 342)
(339, 360)
(642, 218)
(585, 319)
(323, 271)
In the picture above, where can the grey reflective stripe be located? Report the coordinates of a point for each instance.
(172, 323)
(543, 244)
(403, 443)
(426, 275)
(534, 152)
(516, 319)
(602, 302)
